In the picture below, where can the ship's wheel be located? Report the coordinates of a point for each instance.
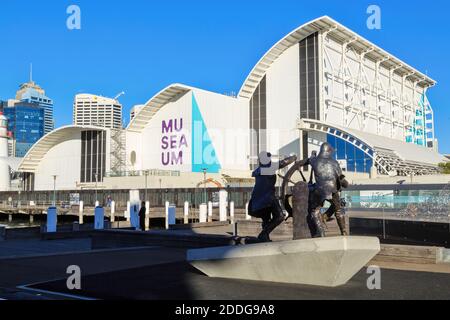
(293, 176)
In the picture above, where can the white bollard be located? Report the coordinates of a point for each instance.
(80, 213)
(128, 212)
(167, 214)
(247, 216)
(210, 211)
(232, 211)
(186, 212)
(97, 204)
(203, 215)
(147, 215)
(223, 199)
(113, 211)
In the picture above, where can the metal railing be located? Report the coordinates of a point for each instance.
(141, 173)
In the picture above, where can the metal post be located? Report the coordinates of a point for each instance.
(54, 190)
(146, 173)
(20, 192)
(160, 190)
(96, 195)
(205, 170)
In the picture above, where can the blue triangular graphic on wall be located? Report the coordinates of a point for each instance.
(204, 154)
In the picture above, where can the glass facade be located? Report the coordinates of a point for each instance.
(258, 122)
(93, 156)
(28, 181)
(3, 104)
(309, 78)
(352, 159)
(26, 123)
(32, 94)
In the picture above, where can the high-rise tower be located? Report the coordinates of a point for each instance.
(32, 93)
(92, 110)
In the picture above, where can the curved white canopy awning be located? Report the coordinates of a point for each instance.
(390, 153)
(341, 34)
(155, 104)
(34, 156)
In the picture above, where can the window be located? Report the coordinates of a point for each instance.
(309, 78)
(258, 122)
(356, 160)
(93, 156)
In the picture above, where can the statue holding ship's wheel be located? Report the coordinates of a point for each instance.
(307, 197)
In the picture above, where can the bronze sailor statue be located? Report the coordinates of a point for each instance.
(329, 182)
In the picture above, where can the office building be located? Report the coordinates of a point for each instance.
(26, 125)
(93, 110)
(32, 93)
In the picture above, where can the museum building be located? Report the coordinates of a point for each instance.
(320, 83)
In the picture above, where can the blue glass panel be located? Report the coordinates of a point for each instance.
(357, 160)
(359, 165)
(351, 152)
(351, 166)
(332, 141)
(360, 155)
(369, 163)
(340, 150)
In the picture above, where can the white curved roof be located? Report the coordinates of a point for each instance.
(339, 33)
(155, 104)
(34, 156)
(405, 151)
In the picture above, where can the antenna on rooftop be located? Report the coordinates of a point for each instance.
(31, 72)
(119, 95)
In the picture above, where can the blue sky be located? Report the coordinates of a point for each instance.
(141, 46)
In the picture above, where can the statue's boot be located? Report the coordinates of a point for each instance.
(278, 218)
(340, 217)
(328, 215)
(264, 237)
(317, 220)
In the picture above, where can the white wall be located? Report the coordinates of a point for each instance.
(151, 141)
(283, 103)
(226, 119)
(63, 160)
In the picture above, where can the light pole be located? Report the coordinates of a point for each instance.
(96, 183)
(54, 190)
(20, 191)
(160, 190)
(146, 173)
(205, 170)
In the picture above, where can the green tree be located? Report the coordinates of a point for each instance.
(445, 167)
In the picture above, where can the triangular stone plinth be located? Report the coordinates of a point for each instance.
(329, 262)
